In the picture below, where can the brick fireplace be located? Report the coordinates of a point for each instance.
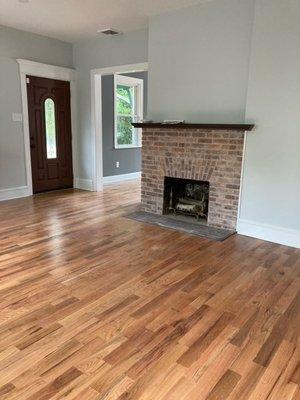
(207, 153)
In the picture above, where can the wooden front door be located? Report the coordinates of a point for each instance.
(50, 133)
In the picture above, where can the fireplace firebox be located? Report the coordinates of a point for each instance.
(186, 197)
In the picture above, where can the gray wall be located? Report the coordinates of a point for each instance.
(18, 44)
(129, 159)
(271, 191)
(199, 60)
(101, 52)
(226, 60)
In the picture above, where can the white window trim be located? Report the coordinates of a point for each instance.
(129, 81)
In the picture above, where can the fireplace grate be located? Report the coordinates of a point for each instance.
(186, 196)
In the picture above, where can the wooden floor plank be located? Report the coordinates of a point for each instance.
(96, 306)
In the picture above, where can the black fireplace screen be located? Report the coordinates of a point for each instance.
(186, 196)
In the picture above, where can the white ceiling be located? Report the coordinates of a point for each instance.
(71, 20)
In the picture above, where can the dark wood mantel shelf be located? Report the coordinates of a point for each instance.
(227, 127)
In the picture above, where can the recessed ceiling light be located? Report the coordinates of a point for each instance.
(23, 1)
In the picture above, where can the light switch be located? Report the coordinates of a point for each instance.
(17, 117)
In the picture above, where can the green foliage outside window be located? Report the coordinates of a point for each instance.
(125, 112)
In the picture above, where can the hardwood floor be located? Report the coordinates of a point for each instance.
(97, 306)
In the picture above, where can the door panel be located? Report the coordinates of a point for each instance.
(50, 133)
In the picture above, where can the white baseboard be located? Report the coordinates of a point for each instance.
(83, 184)
(14, 193)
(271, 233)
(121, 178)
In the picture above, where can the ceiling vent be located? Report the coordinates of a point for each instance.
(109, 32)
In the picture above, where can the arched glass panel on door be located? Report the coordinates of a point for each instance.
(50, 128)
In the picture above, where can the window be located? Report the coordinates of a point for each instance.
(50, 128)
(128, 95)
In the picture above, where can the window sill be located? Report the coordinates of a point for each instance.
(127, 147)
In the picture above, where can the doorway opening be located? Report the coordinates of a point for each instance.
(49, 114)
(35, 69)
(116, 99)
(124, 101)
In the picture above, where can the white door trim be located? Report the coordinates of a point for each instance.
(96, 114)
(33, 68)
